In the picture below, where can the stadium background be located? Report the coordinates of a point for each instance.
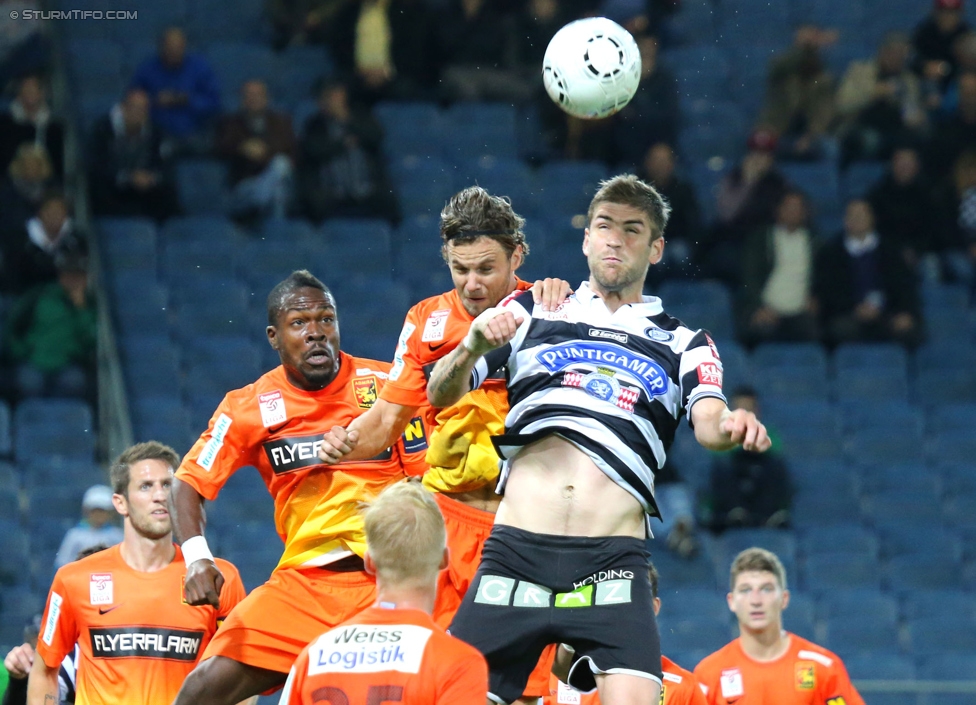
(881, 442)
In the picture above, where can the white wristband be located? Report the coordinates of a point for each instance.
(194, 549)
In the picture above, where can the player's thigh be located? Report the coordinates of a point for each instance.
(627, 689)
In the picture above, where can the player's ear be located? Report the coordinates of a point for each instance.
(786, 599)
(445, 559)
(518, 257)
(657, 250)
(728, 599)
(368, 564)
(118, 501)
(272, 334)
(586, 242)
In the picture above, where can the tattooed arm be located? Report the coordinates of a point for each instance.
(42, 684)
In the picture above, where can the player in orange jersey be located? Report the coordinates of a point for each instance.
(394, 652)
(483, 245)
(276, 425)
(767, 664)
(680, 686)
(124, 606)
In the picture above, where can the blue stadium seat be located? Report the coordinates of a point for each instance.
(67, 474)
(45, 428)
(568, 187)
(423, 184)
(921, 539)
(780, 542)
(501, 176)
(819, 443)
(814, 510)
(944, 297)
(818, 180)
(255, 566)
(692, 633)
(831, 571)
(881, 414)
(6, 440)
(865, 634)
(860, 177)
(852, 539)
(10, 503)
(736, 365)
(861, 604)
(942, 603)
(790, 355)
(201, 185)
(888, 667)
(960, 511)
(923, 571)
(102, 62)
(891, 506)
(904, 477)
(948, 385)
(953, 446)
(199, 228)
(9, 477)
(951, 417)
(782, 412)
(695, 23)
(15, 561)
(19, 605)
(950, 667)
(958, 478)
(234, 63)
(864, 384)
(681, 603)
(128, 242)
(885, 445)
(938, 635)
(813, 476)
(871, 356)
(697, 573)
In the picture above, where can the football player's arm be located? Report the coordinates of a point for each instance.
(451, 377)
(719, 428)
(204, 580)
(368, 434)
(42, 684)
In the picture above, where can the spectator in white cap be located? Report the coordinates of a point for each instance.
(95, 527)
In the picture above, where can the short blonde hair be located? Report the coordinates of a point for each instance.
(757, 560)
(405, 534)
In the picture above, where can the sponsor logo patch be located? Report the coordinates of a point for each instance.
(272, 406)
(602, 385)
(401, 349)
(839, 700)
(566, 695)
(365, 389)
(608, 335)
(731, 682)
(366, 648)
(209, 453)
(645, 371)
(100, 589)
(658, 335)
(710, 373)
(414, 437)
(145, 642)
(805, 675)
(296, 452)
(711, 345)
(435, 326)
(53, 615)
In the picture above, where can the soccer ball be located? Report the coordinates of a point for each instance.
(591, 68)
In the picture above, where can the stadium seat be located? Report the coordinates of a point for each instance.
(944, 297)
(953, 446)
(882, 414)
(947, 385)
(568, 187)
(866, 604)
(832, 571)
(423, 184)
(19, 605)
(790, 355)
(852, 539)
(780, 542)
(923, 570)
(236, 62)
(905, 477)
(938, 635)
(821, 443)
(860, 178)
(851, 633)
(951, 417)
(15, 562)
(854, 385)
(960, 511)
(695, 23)
(697, 573)
(815, 510)
(818, 180)
(201, 185)
(958, 478)
(681, 603)
(883, 666)
(951, 667)
(501, 176)
(892, 506)
(920, 539)
(128, 243)
(6, 441)
(886, 445)
(102, 61)
(693, 633)
(871, 356)
(783, 412)
(942, 603)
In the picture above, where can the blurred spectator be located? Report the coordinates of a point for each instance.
(675, 501)
(388, 46)
(24, 48)
(799, 103)
(478, 44)
(903, 204)
(183, 90)
(865, 290)
(879, 101)
(957, 210)
(652, 114)
(298, 22)
(775, 299)
(746, 201)
(538, 21)
(29, 120)
(128, 176)
(258, 145)
(934, 40)
(29, 176)
(34, 249)
(341, 162)
(684, 225)
(749, 489)
(94, 529)
(956, 135)
(51, 332)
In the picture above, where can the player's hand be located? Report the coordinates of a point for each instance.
(742, 427)
(19, 661)
(337, 444)
(551, 293)
(203, 583)
(491, 330)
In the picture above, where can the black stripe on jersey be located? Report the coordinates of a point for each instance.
(652, 410)
(666, 322)
(496, 359)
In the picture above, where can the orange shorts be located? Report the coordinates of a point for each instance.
(271, 626)
(467, 528)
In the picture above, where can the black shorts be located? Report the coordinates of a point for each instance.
(532, 590)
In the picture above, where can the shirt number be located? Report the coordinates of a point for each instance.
(376, 695)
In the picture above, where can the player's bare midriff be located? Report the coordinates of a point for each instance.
(554, 488)
(484, 498)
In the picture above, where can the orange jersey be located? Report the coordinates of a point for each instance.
(137, 637)
(680, 687)
(388, 656)
(805, 675)
(278, 428)
(461, 456)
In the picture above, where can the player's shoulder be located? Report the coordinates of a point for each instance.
(227, 568)
(364, 366)
(806, 650)
(675, 673)
(271, 381)
(710, 666)
(438, 302)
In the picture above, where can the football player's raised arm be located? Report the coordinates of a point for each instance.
(368, 434)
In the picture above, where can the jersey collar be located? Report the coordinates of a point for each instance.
(650, 306)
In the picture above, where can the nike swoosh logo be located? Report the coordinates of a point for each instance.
(103, 610)
(437, 347)
(277, 428)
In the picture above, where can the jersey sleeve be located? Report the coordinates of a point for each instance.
(520, 304)
(218, 453)
(465, 681)
(233, 590)
(407, 385)
(691, 694)
(59, 627)
(700, 371)
(837, 687)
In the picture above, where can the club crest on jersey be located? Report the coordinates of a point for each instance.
(365, 389)
(435, 326)
(603, 385)
(272, 406)
(806, 678)
(658, 335)
(645, 371)
(731, 682)
(100, 590)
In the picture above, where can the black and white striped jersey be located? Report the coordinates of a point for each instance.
(613, 384)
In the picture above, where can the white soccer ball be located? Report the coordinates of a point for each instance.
(591, 68)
